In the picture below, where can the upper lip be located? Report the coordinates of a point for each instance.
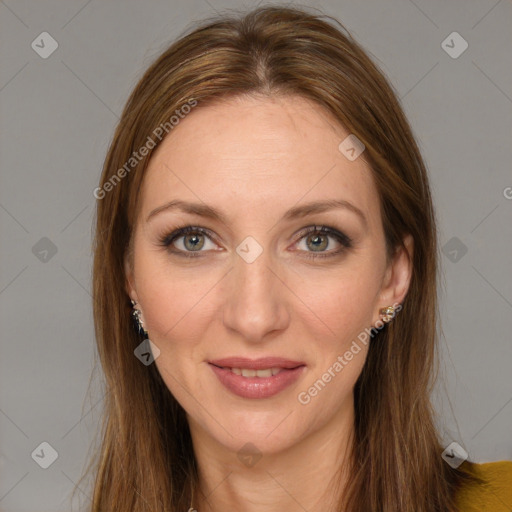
(256, 364)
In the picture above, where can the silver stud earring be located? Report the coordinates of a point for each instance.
(137, 318)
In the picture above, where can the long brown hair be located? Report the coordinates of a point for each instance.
(146, 460)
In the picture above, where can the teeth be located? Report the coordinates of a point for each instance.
(245, 372)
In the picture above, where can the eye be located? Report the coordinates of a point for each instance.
(194, 238)
(191, 238)
(317, 237)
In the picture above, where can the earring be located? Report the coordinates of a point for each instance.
(387, 313)
(137, 318)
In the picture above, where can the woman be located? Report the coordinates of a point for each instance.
(265, 214)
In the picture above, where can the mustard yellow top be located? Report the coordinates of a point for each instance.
(496, 495)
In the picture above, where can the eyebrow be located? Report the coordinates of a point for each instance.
(303, 210)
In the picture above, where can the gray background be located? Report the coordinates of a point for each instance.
(57, 118)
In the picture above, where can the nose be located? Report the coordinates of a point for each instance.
(257, 300)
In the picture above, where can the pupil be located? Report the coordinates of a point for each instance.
(195, 242)
(316, 239)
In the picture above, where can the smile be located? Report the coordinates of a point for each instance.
(257, 383)
(248, 372)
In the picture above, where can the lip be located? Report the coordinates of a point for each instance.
(257, 387)
(256, 364)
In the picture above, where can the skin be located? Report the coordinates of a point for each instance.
(253, 159)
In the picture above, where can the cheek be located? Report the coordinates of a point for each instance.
(174, 298)
(343, 300)
(179, 297)
(344, 305)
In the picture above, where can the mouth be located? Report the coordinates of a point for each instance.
(250, 372)
(260, 378)
(263, 363)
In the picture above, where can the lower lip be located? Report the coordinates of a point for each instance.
(257, 387)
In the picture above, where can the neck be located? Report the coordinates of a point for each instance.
(308, 475)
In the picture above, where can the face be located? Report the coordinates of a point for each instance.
(289, 293)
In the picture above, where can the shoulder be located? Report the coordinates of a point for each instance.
(493, 494)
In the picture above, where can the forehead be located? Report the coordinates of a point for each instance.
(260, 155)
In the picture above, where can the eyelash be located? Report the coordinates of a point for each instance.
(343, 239)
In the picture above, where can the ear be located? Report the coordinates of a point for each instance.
(129, 278)
(397, 278)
